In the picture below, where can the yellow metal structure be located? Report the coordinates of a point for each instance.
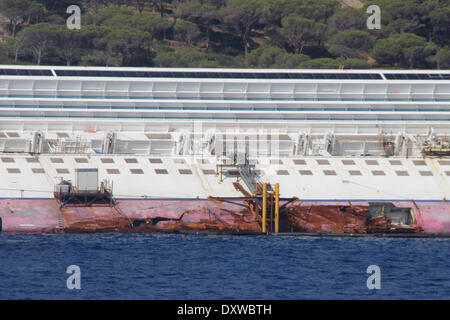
(264, 208)
(277, 207)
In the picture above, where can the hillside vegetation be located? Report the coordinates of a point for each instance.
(227, 33)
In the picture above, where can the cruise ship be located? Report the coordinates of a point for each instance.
(101, 149)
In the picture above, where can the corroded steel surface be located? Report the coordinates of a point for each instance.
(333, 219)
(159, 215)
(345, 217)
(46, 216)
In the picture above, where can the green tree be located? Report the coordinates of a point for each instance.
(186, 31)
(440, 21)
(347, 18)
(160, 6)
(339, 63)
(126, 42)
(321, 63)
(403, 50)
(317, 10)
(68, 43)
(183, 58)
(37, 39)
(442, 58)
(274, 57)
(243, 16)
(19, 12)
(297, 31)
(203, 13)
(350, 43)
(140, 4)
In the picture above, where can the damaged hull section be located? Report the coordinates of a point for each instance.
(233, 216)
(372, 218)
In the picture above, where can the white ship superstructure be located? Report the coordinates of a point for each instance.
(152, 133)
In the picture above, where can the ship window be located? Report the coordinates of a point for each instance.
(299, 162)
(155, 160)
(284, 137)
(32, 160)
(426, 173)
(329, 172)
(185, 171)
(355, 173)
(37, 170)
(161, 171)
(107, 160)
(112, 171)
(57, 160)
(305, 172)
(372, 162)
(378, 173)
(13, 134)
(179, 161)
(13, 170)
(447, 173)
(31, 72)
(7, 159)
(419, 162)
(2, 135)
(62, 171)
(62, 135)
(161, 136)
(203, 161)
(253, 161)
(208, 171)
(416, 76)
(259, 172)
(137, 171)
(395, 162)
(444, 162)
(130, 160)
(81, 160)
(323, 162)
(282, 172)
(348, 162)
(402, 173)
(276, 162)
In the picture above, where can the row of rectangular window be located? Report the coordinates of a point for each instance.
(226, 75)
(109, 171)
(219, 75)
(103, 160)
(370, 162)
(205, 161)
(401, 173)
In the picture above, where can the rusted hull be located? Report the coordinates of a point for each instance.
(431, 217)
(46, 216)
(343, 219)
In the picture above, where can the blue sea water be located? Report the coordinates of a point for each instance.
(142, 266)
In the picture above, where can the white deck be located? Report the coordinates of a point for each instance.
(367, 178)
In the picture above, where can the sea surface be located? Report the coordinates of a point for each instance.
(142, 266)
